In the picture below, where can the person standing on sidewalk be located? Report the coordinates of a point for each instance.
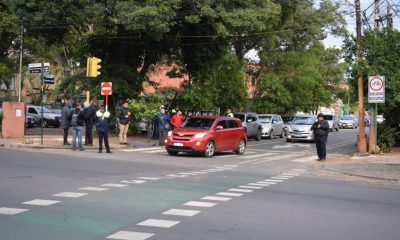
(124, 117)
(102, 123)
(177, 120)
(163, 126)
(90, 118)
(65, 120)
(77, 121)
(321, 130)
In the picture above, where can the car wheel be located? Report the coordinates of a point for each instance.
(241, 147)
(57, 126)
(259, 135)
(283, 133)
(172, 153)
(271, 135)
(210, 149)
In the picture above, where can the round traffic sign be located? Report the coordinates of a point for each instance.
(376, 84)
(106, 88)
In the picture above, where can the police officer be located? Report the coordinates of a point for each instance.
(321, 130)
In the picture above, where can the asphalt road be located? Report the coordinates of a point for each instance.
(271, 192)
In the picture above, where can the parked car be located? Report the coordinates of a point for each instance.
(333, 122)
(380, 119)
(49, 119)
(30, 121)
(251, 123)
(207, 135)
(300, 129)
(287, 120)
(272, 125)
(348, 121)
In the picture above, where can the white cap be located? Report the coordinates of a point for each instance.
(86, 104)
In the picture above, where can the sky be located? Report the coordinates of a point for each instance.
(348, 5)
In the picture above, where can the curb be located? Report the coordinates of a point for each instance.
(363, 176)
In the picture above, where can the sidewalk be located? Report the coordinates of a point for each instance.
(382, 166)
(56, 142)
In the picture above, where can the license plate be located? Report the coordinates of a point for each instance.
(178, 144)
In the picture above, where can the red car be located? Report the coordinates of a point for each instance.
(207, 135)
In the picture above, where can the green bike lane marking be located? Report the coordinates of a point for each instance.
(99, 214)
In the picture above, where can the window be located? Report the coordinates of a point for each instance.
(32, 110)
(232, 124)
(265, 119)
(240, 116)
(200, 123)
(223, 123)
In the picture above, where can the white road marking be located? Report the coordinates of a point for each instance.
(114, 185)
(259, 184)
(41, 202)
(250, 187)
(212, 198)
(95, 189)
(185, 173)
(141, 149)
(70, 194)
(158, 223)
(231, 165)
(280, 178)
(133, 181)
(12, 211)
(257, 155)
(272, 180)
(292, 174)
(299, 169)
(178, 176)
(285, 175)
(199, 172)
(229, 194)
(126, 235)
(200, 204)
(181, 212)
(149, 178)
(265, 182)
(239, 190)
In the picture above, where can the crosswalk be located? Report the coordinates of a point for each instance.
(252, 156)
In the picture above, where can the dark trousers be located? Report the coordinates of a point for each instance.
(103, 136)
(320, 142)
(89, 134)
(66, 135)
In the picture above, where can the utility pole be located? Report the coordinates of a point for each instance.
(362, 140)
(21, 49)
(377, 18)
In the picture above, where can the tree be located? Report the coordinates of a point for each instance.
(381, 57)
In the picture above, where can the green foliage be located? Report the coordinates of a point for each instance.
(222, 86)
(387, 137)
(146, 108)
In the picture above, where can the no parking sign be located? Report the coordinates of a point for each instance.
(376, 89)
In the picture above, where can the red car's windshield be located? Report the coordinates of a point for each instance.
(198, 123)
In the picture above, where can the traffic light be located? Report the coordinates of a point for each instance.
(93, 67)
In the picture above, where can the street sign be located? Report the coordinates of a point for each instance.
(376, 89)
(37, 67)
(106, 88)
(49, 79)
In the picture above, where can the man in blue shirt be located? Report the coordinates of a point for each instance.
(163, 124)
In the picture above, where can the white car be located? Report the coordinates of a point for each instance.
(49, 119)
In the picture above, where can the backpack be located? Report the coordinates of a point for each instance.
(74, 119)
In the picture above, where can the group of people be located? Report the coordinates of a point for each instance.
(78, 116)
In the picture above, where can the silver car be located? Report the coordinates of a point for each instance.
(333, 122)
(348, 121)
(272, 125)
(300, 129)
(251, 123)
